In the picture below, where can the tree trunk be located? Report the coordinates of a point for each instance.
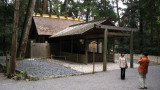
(14, 37)
(88, 10)
(50, 4)
(45, 6)
(141, 26)
(38, 6)
(141, 34)
(66, 7)
(158, 38)
(26, 29)
(118, 12)
(151, 34)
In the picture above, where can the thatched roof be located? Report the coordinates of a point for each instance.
(78, 29)
(51, 26)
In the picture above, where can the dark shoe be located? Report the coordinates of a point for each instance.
(140, 88)
(145, 87)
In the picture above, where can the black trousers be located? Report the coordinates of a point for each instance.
(123, 73)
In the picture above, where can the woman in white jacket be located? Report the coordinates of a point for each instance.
(123, 65)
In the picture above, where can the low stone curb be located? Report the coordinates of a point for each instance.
(33, 78)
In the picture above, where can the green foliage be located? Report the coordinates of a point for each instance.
(6, 18)
(122, 45)
(25, 75)
(158, 21)
(148, 11)
(104, 10)
(93, 7)
(56, 6)
(6, 24)
(139, 14)
(151, 50)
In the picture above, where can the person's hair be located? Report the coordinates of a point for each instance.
(122, 53)
(145, 54)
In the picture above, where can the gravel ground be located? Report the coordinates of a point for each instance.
(42, 68)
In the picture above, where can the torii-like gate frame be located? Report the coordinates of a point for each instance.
(106, 27)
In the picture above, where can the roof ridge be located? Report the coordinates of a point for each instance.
(57, 16)
(89, 22)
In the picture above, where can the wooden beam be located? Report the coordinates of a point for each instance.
(131, 50)
(86, 50)
(118, 34)
(109, 35)
(116, 28)
(105, 50)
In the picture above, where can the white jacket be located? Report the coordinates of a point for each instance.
(122, 62)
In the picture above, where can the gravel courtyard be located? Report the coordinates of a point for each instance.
(44, 67)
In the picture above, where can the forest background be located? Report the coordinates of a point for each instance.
(141, 14)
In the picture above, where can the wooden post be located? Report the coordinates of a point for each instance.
(7, 63)
(105, 50)
(94, 46)
(97, 46)
(51, 59)
(31, 53)
(131, 50)
(114, 50)
(86, 51)
(93, 59)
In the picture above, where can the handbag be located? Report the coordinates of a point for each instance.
(126, 66)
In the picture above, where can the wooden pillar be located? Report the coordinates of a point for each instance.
(113, 49)
(86, 51)
(105, 50)
(31, 49)
(131, 50)
(43, 39)
(97, 46)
